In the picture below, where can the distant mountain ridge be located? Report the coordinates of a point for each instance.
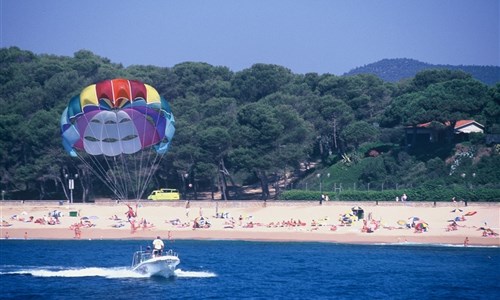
(396, 69)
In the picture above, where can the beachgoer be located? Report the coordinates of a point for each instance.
(397, 199)
(6, 235)
(131, 213)
(404, 198)
(327, 198)
(25, 235)
(196, 224)
(321, 199)
(466, 242)
(133, 226)
(158, 246)
(78, 232)
(188, 205)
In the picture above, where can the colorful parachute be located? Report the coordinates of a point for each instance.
(117, 116)
(113, 120)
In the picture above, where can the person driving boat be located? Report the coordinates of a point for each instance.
(158, 246)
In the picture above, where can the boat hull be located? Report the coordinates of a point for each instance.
(162, 266)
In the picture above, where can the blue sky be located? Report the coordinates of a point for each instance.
(322, 36)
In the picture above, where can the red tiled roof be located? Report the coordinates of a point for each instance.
(463, 123)
(459, 124)
(424, 125)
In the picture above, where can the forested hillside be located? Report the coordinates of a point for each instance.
(394, 70)
(263, 126)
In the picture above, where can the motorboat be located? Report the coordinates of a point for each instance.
(158, 265)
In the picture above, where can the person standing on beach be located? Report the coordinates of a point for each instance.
(188, 205)
(130, 213)
(466, 242)
(78, 232)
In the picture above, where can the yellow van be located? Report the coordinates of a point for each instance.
(164, 194)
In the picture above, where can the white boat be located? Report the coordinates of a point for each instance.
(164, 265)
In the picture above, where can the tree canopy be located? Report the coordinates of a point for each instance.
(259, 126)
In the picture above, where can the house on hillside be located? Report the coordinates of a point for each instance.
(436, 132)
(468, 126)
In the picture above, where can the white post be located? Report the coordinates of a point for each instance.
(71, 183)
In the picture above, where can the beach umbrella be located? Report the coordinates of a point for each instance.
(421, 226)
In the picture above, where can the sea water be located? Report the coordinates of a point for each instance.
(100, 269)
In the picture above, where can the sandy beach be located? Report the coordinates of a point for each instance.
(387, 222)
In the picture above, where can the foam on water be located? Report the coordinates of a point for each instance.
(194, 274)
(79, 272)
(435, 245)
(101, 272)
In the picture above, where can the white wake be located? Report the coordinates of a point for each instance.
(194, 274)
(121, 272)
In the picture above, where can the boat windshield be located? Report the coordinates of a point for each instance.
(140, 256)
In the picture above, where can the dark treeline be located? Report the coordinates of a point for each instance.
(261, 126)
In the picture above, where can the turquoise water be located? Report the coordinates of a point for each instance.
(82, 269)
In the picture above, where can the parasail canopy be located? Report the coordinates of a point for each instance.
(114, 127)
(117, 116)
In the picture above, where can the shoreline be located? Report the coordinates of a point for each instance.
(320, 223)
(97, 234)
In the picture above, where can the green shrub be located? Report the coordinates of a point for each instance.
(436, 194)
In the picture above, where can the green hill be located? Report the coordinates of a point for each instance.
(394, 70)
